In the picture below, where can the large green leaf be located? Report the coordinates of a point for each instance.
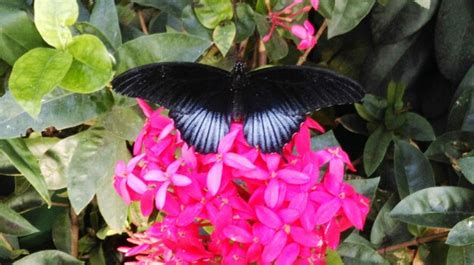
(386, 230)
(323, 141)
(454, 38)
(124, 122)
(84, 174)
(223, 36)
(450, 145)
(174, 7)
(60, 109)
(61, 232)
(462, 105)
(48, 257)
(357, 250)
(347, 15)
(192, 25)
(467, 167)
(276, 47)
(52, 19)
(104, 17)
(12, 223)
(366, 187)
(399, 19)
(375, 149)
(437, 206)
(91, 69)
(402, 62)
(462, 233)
(160, 47)
(36, 74)
(111, 206)
(18, 34)
(244, 21)
(461, 255)
(417, 127)
(20, 156)
(213, 12)
(413, 171)
(326, 7)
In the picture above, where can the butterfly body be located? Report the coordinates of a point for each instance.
(271, 102)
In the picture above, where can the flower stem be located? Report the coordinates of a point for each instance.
(262, 54)
(74, 233)
(414, 242)
(320, 32)
(142, 21)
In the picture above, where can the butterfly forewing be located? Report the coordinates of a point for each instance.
(198, 96)
(278, 98)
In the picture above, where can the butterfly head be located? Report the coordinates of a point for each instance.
(239, 68)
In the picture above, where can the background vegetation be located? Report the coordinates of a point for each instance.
(62, 129)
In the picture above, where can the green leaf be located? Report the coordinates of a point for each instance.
(97, 256)
(417, 127)
(373, 107)
(88, 28)
(461, 255)
(12, 223)
(192, 25)
(332, 258)
(18, 34)
(326, 8)
(462, 105)
(276, 47)
(347, 15)
(60, 109)
(454, 38)
(387, 230)
(104, 17)
(174, 7)
(223, 36)
(125, 123)
(213, 12)
(91, 69)
(52, 18)
(375, 149)
(323, 141)
(244, 21)
(20, 156)
(84, 174)
(20, 4)
(24, 200)
(160, 47)
(366, 187)
(61, 232)
(357, 250)
(467, 167)
(413, 171)
(462, 233)
(424, 3)
(48, 257)
(402, 61)
(36, 74)
(450, 145)
(436, 206)
(399, 19)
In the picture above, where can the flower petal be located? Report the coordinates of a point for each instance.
(214, 178)
(299, 31)
(136, 184)
(289, 215)
(315, 4)
(291, 176)
(161, 195)
(173, 167)
(237, 161)
(327, 211)
(305, 238)
(155, 175)
(288, 254)
(309, 27)
(180, 180)
(133, 162)
(146, 202)
(352, 212)
(237, 234)
(271, 193)
(268, 217)
(189, 214)
(227, 141)
(274, 248)
(273, 162)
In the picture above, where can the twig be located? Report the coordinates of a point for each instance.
(60, 204)
(142, 21)
(262, 54)
(320, 32)
(74, 233)
(414, 242)
(242, 47)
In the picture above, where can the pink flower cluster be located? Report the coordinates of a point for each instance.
(238, 206)
(285, 17)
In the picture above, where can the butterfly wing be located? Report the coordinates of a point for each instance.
(198, 96)
(278, 99)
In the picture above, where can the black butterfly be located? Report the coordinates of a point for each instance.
(203, 100)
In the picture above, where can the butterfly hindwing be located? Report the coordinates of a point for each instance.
(278, 98)
(197, 95)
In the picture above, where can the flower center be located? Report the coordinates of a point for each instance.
(287, 229)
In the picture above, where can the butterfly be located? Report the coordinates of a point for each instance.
(271, 102)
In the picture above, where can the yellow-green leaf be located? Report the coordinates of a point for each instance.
(91, 68)
(223, 36)
(36, 74)
(52, 19)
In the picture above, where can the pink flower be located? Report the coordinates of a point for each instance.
(315, 4)
(126, 181)
(165, 179)
(306, 34)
